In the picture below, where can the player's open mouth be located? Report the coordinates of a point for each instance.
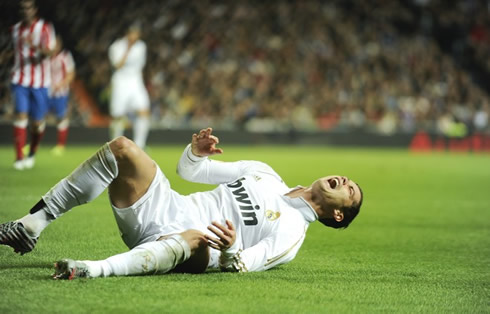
(334, 182)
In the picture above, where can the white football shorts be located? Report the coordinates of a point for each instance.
(159, 212)
(128, 96)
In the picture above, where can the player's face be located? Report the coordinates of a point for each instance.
(336, 191)
(28, 10)
(133, 35)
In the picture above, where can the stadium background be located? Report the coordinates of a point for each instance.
(362, 73)
(288, 67)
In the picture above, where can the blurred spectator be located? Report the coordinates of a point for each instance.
(480, 119)
(380, 66)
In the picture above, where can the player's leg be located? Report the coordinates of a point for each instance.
(188, 249)
(141, 125)
(37, 112)
(141, 128)
(117, 126)
(136, 172)
(119, 162)
(62, 127)
(117, 111)
(37, 129)
(84, 184)
(119, 165)
(59, 106)
(21, 102)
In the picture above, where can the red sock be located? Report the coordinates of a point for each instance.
(35, 140)
(20, 135)
(62, 135)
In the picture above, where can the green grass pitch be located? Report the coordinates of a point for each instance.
(420, 244)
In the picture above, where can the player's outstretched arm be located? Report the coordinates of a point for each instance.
(204, 143)
(195, 166)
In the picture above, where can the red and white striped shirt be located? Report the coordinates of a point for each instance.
(61, 65)
(31, 67)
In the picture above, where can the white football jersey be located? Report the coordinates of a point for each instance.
(270, 226)
(135, 61)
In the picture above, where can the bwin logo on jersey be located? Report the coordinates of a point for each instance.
(247, 209)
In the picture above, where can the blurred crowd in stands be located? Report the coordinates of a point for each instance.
(382, 66)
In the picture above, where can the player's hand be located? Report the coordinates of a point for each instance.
(57, 88)
(226, 235)
(193, 237)
(204, 144)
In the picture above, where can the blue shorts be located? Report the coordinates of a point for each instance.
(33, 101)
(58, 106)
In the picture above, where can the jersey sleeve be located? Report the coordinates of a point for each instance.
(115, 53)
(276, 249)
(48, 37)
(69, 62)
(204, 170)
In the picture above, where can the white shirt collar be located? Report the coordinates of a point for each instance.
(303, 207)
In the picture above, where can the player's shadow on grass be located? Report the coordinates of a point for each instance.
(34, 270)
(31, 264)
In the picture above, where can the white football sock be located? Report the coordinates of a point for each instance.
(35, 223)
(116, 128)
(141, 128)
(63, 124)
(148, 258)
(84, 184)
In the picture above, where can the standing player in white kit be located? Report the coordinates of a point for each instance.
(252, 220)
(129, 95)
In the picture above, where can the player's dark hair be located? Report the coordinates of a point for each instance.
(350, 213)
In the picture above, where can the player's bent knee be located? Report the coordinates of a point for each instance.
(120, 143)
(123, 148)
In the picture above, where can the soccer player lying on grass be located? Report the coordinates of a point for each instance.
(252, 220)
